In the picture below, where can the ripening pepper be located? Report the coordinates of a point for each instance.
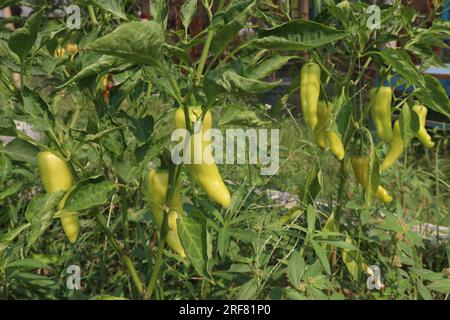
(57, 176)
(396, 148)
(72, 48)
(336, 146)
(380, 109)
(205, 174)
(59, 52)
(310, 91)
(361, 168)
(157, 187)
(323, 117)
(422, 133)
(324, 136)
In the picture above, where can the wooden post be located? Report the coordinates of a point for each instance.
(304, 9)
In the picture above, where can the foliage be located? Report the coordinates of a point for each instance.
(107, 108)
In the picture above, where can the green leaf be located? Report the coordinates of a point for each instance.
(101, 66)
(426, 274)
(434, 96)
(343, 110)
(151, 149)
(87, 195)
(311, 219)
(267, 66)
(442, 286)
(113, 141)
(248, 290)
(331, 226)
(374, 175)
(311, 188)
(160, 11)
(7, 238)
(139, 42)
(142, 128)
(19, 150)
(297, 35)
(187, 12)
(292, 294)
(27, 263)
(5, 168)
(232, 20)
(322, 255)
(227, 79)
(35, 280)
(23, 39)
(316, 294)
(11, 189)
(423, 291)
(296, 268)
(223, 242)
(238, 115)
(38, 109)
(112, 6)
(39, 214)
(400, 60)
(192, 230)
(126, 170)
(339, 244)
(353, 259)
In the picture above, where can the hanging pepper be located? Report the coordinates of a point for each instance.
(57, 176)
(107, 84)
(396, 148)
(205, 174)
(422, 133)
(361, 168)
(380, 109)
(325, 136)
(157, 187)
(310, 91)
(323, 117)
(336, 146)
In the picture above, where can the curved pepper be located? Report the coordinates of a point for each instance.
(57, 176)
(323, 117)
(310, 91)
(157, 187)
(422, 134)
(336, 146)
(205, 174)
(396, 148)
(361, 168)
(380, 109)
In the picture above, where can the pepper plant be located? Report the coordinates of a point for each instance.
(105, 98)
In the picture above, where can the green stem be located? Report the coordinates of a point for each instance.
(124, 208)
(123, 257)
(342, 182)
(92, 14)
(204, 56)
(159, 257)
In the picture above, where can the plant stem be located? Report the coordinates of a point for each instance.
(204, 56)
(159, 257)
(124, 208)
(125, 259)
(341, 190)
(92, 15)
